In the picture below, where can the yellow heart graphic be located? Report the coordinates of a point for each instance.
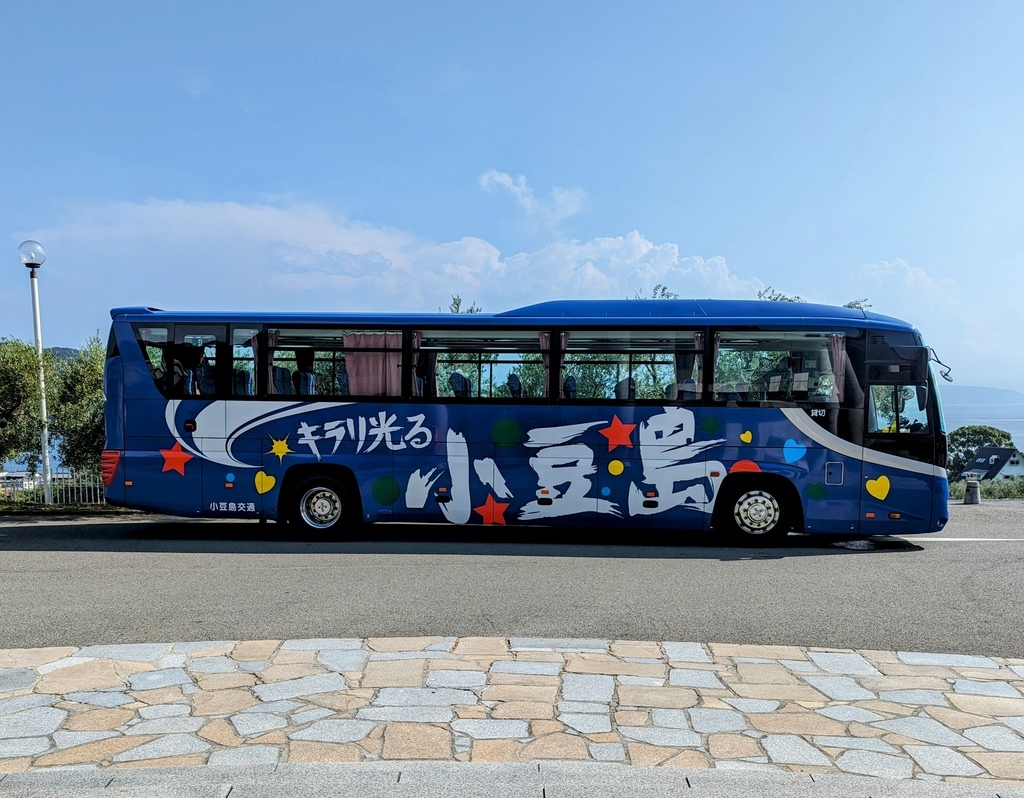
(879, 488)
(747, 436)
(265, 482)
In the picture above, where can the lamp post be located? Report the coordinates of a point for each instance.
(32, 255)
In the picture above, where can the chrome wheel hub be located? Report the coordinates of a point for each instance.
(320, 508)
(756, 512)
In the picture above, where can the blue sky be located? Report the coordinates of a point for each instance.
(356, 156)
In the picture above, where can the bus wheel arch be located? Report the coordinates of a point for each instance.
(757, 508)
(320, 498)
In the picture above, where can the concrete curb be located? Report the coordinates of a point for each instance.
(455, 780)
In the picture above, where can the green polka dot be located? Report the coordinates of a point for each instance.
(506, 432)
(386, 490)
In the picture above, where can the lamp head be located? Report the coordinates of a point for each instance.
(32, 254)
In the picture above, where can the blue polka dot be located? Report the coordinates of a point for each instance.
(606, 491)
(230, 477)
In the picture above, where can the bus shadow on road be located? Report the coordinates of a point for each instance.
(191, 537)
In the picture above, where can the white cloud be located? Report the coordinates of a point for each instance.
(620, 267)
(294, 257)
(291, 256)
(966, 323)
(564, 202)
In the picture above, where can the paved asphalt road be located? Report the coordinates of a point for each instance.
(97, 580)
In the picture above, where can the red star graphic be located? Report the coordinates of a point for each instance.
(618, 434)
(175, 459)
(491, 511)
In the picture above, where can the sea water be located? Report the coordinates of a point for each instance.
(1007, 417)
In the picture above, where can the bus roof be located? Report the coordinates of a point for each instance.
(567, 312)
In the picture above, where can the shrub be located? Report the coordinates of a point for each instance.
(990, 489)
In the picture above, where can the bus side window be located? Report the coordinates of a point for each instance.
(502, 365)
(155, 343)
(332, 361)
(199, 360)
(243, 361)
(630, 365)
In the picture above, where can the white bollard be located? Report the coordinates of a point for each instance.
(972, 493)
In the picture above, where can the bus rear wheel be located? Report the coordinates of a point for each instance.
(757, 516)
(321, 504)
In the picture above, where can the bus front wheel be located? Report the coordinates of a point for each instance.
(757, 516)
(320, 504)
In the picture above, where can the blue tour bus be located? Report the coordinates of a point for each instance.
(750, 418)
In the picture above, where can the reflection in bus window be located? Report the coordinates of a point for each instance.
(780, 367)
(334, 362)
(197, 354)
(492, 364)
(243, 360)
(633, 365)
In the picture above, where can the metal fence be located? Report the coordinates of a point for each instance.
(67, 488)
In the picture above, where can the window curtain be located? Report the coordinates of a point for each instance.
(698, 345)
(374, 373)
(837, 348)
(272, 338)
(417, 378)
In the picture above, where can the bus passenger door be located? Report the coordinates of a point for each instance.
(830, 490)
(897, 496)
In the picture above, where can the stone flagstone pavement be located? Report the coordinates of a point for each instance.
(903, 715)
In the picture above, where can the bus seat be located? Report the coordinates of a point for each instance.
(342, 381)
(672, 391)
(515, 386)
(283, 380)
(689, 390)
(207, 378)
(462, 386)
(243, 383)
(302, 381)
(625, 390)
(569, 387)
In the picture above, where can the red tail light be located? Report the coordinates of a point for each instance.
(108, 465)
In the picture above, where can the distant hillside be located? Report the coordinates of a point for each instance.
(974, 395)
(61, 352)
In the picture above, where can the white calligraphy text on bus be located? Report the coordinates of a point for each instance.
(367, 433)
(565, 469)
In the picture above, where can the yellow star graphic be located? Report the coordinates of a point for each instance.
(280, 448)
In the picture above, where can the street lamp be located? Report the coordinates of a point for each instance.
(32, 255)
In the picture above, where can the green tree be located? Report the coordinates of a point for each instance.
(20, 425)
(77, 407)
(964, 442)
(456, 306)
(660, 291)
(769, 294)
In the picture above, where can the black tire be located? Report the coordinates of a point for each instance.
(756, 515)
(320, 505)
